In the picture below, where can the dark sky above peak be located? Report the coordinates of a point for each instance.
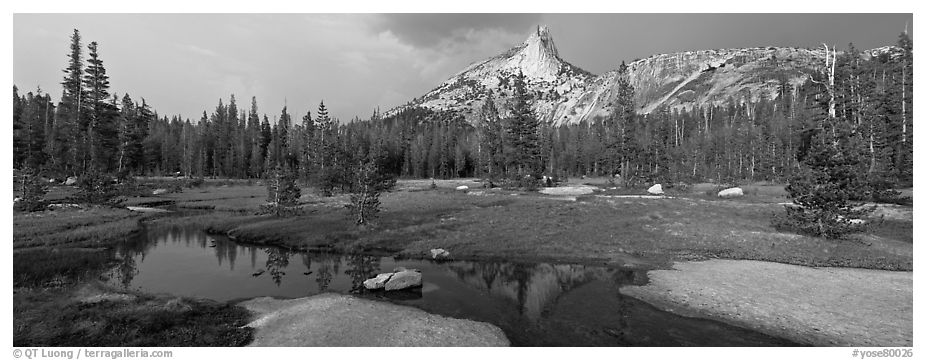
(183, 63)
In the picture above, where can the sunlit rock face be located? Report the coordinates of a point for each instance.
(562, 93)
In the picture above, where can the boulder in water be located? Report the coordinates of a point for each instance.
(378, 282)
(403, 280)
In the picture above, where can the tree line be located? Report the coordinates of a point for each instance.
(89, 128)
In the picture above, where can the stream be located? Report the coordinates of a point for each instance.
(535, 304)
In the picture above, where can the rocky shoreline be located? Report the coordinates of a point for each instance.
(814, 306)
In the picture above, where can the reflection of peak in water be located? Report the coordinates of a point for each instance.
(534, 287)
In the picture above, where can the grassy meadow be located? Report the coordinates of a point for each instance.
(60, 255)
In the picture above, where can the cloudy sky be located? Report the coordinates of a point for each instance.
(183, 63)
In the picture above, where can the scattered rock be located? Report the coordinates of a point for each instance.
(107, 297)
(477, 193)
(63, 206)
(731, 192)
(568, 190)
(145, 209)
(378, 282)
(439, 254)
(655, 189)
(17, 199)
(462, 188)
(159, 192)
(634, 196)
(403, 280)
(70, 181)
(852, 221)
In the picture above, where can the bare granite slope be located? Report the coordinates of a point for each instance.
(342, 320)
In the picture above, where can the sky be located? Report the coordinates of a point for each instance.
(182, 64)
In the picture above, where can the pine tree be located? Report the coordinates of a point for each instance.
(266, 136)
(629, 148)
(253, 140)
(491, 136)
(285, 155)
(905, 156)
(126, 133)
(32, 133)
(101, 139)
(69, 127)
(307, 151)
(826, 188)
(523, 134)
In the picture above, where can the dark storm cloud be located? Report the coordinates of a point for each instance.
(183, 63)
(426, 30)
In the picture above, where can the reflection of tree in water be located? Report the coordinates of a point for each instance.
(622, 277)
(277, 260)
(360, 268)
(126, 270)
(489, 273)
(328, 265)
(225, 250)
(522, 274)
(534, 288)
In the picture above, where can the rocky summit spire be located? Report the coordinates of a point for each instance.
(538, 57)
(542, 41)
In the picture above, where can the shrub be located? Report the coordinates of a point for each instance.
(881, 191)
(195, 182)
(282, 194)
(525, 183)
(32, 191)
(96, 187)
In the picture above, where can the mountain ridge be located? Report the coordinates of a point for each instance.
(562, 93)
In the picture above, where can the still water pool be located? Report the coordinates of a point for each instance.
(535, 304)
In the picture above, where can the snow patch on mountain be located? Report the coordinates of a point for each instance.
(562, 93)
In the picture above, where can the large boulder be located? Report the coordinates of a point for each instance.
(439, 254)
(655, 189)
(403, 280)
(731, 192)
(70, 181)
(378, 282)
(462, 188)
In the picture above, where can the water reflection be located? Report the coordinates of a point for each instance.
(277, 261)
(177, 258)
(533, 287)
(536, 304)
